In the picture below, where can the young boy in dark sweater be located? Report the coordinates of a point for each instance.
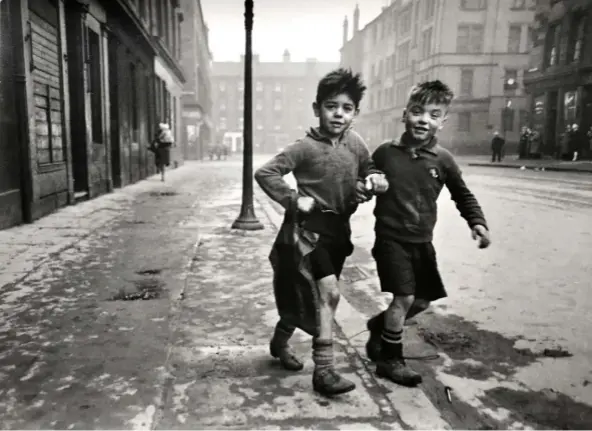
(331, 165)
(416, 168)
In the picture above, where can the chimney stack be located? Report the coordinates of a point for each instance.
(345, 31)
(356, 19)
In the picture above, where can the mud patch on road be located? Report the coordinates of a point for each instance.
(463, 341)
(547, 409)
(146, 289)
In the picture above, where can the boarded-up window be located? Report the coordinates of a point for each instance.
(45, 66)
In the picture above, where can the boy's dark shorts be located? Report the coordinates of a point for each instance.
(328, 257)
(408, 269)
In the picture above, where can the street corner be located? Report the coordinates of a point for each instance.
(244, 387)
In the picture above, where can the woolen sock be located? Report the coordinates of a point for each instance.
(322, 353)
(391, 344)
(282, 334)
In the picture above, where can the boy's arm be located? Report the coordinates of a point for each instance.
(270, 176)
(465, 201)
(367, 163)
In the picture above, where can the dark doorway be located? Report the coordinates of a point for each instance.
(75, 35)
(114, 114)
(11, 198)
(550, 135)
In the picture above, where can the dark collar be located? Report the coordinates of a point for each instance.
(430, 147)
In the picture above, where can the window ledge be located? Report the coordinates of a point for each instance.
(46, 168)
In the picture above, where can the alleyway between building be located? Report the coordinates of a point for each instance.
(142, 309)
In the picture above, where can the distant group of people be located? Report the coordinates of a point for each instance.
(575, 143)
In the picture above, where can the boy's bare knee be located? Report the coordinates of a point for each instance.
(421, 304)
(329, 290)
(402, 302)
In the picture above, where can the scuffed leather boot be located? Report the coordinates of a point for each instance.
(287, 358)
(397, 371)
(326, 381)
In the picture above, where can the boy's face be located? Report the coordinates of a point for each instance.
(335, 113)
(422, 121)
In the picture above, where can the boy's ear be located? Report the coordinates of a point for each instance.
(444, 120)
(316, 109)
(404, 116)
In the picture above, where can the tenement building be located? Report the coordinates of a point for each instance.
(283, 93)
(83, 85)
(478, 47)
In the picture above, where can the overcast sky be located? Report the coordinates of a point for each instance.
(307, 28)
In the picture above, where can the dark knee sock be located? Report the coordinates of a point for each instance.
(322, 353)
(391, 344)
(376, 323)
(282, 334)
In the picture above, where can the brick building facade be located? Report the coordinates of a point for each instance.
(475, 46)
(90, 79)
(283, 93)
(560, 74)
(196, 59)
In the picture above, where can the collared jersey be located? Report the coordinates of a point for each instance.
(407, 212)
(325, 172)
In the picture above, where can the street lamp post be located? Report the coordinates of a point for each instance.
(247, 220)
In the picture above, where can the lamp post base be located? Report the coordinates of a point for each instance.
(247, 220)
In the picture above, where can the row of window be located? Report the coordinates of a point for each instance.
(465, 120)
(277, 105)
(573, 38)
(259, 86)
(469, 40)
(482, 4)
(223, 125)
(389, 97)
(404, 17)
(165, 18)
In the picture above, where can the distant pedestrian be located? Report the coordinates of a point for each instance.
(535, 144)
(523, 144)
(161, 147)
(417, 168)
(497, 147)
(315, 238)
(589, 145)
(577, 141)
(564, 143)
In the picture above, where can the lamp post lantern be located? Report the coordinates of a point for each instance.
(247, 220)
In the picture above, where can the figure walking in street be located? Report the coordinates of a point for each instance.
(416, 168)
(161, 147)
(523, 144)
(564, 143)
(497, 147)
(331, 164)
(577, 141)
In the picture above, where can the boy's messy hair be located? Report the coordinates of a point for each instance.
(341, 81)
(431, 92)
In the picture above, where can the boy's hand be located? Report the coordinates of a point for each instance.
(305, 204)
(481, 233)
(362, 193)
(377, 183)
